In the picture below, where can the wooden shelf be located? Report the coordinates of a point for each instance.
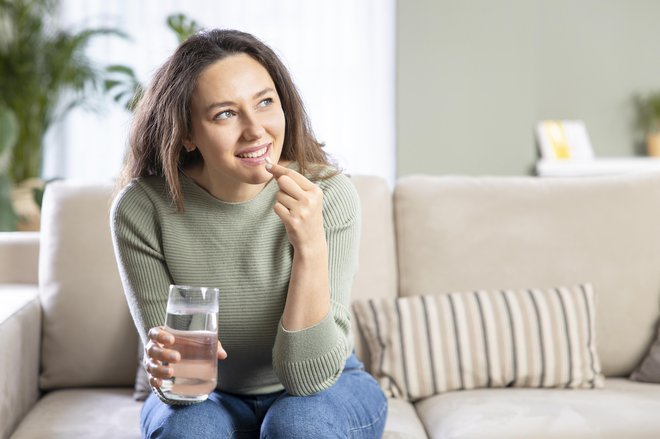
(595, 167)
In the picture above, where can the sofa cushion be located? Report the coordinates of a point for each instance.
(649, 370)
(377, 273)
(83, 413)
(142, 388)
(465, 233)
(402, 421)
(425, 345)
(19, 257)
(88, 335)
(623, 409)
(20, 332)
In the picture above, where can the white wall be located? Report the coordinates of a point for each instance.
(474, 76)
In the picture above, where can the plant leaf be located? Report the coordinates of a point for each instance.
(8, 136)
(182, 26)
(8, 217)
(118, 68)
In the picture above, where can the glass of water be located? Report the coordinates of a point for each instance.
(192, 320)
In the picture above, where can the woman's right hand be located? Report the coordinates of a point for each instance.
(159, 356)
(156, 353)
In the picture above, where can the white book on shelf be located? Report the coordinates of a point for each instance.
(563, 140)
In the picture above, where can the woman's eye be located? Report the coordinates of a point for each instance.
(266, 102)
(223, 115)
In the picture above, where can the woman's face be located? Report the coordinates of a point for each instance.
(237, 120)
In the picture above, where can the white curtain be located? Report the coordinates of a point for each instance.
(340, 53)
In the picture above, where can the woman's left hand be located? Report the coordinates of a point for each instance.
(299, 204)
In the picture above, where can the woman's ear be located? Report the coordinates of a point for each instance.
(189, 145)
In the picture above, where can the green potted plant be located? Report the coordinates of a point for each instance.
(44, 73)
(647, 108)
(8, 134)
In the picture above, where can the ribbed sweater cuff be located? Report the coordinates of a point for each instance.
(310, 360)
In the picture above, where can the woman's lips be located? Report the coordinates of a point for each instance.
(255, 156)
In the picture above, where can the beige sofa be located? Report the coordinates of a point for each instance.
(68, 349)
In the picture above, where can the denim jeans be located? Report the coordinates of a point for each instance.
(354, 407)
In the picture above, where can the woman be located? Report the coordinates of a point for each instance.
(201, 205)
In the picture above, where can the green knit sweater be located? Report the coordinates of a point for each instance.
(241, 248)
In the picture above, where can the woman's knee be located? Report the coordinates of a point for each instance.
(329, 414)
(217, 417)
(180, 423)
(301, 417)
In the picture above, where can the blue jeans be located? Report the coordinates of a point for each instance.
(354, 407)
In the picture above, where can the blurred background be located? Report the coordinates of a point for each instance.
(392, 88)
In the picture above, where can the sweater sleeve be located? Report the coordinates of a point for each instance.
(142, 268)
(310, 360)
(144, 275)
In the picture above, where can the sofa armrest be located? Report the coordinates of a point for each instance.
(19, 257)
(20, 334)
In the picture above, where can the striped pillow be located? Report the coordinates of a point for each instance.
(425, 345)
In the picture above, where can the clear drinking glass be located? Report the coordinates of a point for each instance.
(192, 319)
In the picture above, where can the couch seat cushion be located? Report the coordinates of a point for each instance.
(623, 409)
(83, 413)
(402, 421)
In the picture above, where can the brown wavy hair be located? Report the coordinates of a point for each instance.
(162, 120)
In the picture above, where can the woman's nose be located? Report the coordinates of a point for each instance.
(253, 129)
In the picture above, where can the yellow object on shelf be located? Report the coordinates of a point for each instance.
(558, 141)
(563, 140)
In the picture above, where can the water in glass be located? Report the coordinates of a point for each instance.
(192, 320)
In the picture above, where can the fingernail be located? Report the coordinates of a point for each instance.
(173, 356)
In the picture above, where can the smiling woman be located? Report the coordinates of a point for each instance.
(226, 186)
